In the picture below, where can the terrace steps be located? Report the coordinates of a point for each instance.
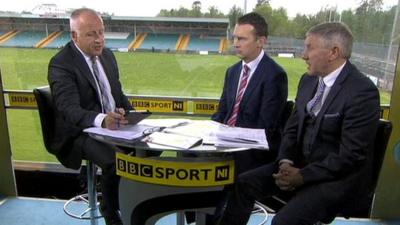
(137, 42)
(47, 40)
(183, 43)
(7, 36)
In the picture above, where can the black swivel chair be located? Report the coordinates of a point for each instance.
(287, 111)
(364, 208)
(47, 119)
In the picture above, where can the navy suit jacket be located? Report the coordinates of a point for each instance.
(76, 99)
(341, 143)
(262, 103)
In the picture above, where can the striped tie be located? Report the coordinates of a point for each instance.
(315, 104)
(242, 88)
(105, 103)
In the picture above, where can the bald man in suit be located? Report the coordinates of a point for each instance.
(84, 81)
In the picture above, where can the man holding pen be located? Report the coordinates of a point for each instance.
(84, 81)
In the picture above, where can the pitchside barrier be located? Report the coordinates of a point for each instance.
(158, 105)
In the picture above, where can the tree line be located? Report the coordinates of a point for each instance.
(369, 22)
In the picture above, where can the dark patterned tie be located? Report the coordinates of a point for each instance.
(106, 106)
(242, 87)
(315, 104)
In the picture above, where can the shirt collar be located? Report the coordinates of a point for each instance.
(330, 79)
(253, 64)
(86, 56)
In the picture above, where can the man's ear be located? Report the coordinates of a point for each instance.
(74, 35)
(335, 53)
(261, 41)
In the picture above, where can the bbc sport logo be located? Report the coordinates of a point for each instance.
(176, 173)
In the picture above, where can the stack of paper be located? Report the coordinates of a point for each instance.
(239, 137)
(128, 132)
(184, 134)
(195, 128)
(173, 140)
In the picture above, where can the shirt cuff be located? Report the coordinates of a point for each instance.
(99, 119)
(286, 161)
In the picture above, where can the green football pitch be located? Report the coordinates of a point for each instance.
(183, 75)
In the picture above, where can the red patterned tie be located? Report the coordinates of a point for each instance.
(239, 96)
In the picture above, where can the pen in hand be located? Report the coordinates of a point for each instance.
(120, 117)
(116, 119)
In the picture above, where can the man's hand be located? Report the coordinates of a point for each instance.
(288, 177)
(116, 119)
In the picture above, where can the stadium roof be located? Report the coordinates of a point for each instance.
(173, 19)
(129, 18)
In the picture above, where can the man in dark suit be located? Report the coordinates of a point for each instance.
(255, 90)
(326, 150)
(84, 81)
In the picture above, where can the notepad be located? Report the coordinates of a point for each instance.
(135, 116)
(129, 132)
(173, 140)
(239, 137)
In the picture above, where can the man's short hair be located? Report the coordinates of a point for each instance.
(75, 15)
(257, 21)
(335, 34)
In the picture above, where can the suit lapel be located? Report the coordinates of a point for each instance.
(234, 86)
(254, 81)
(81, 64)
(335, 89)
(303, 99)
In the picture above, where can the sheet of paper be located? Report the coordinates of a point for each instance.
(128, 132)
(195, 128)
(239, 137)
(173, 140)
(163, 122)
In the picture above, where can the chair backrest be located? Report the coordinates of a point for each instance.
(45, 105)
(381, 141)
(287, 111)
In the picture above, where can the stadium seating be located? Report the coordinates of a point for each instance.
(116, 43)
(25, 39)
(160, 41)
(60, 41)
(198, 43)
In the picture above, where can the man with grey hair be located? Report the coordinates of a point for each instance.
(84, 81)
(325, 156)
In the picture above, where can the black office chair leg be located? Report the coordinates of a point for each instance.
(92, 192)
(90, 199)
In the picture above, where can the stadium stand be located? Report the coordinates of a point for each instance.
(186, 35)
(182, 43)
(201, 43)
(135, 44)
(45, 41)
(160, 41)
(141, 33)
(25, 39)
(8, 35)
(60, 41)
(117, 41)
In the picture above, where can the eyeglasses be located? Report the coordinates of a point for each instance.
(151, 130)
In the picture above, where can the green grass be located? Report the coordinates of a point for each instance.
(141, 74)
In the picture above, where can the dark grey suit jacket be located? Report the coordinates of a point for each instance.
(341, 143)
(261, 106)
(76, 100)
